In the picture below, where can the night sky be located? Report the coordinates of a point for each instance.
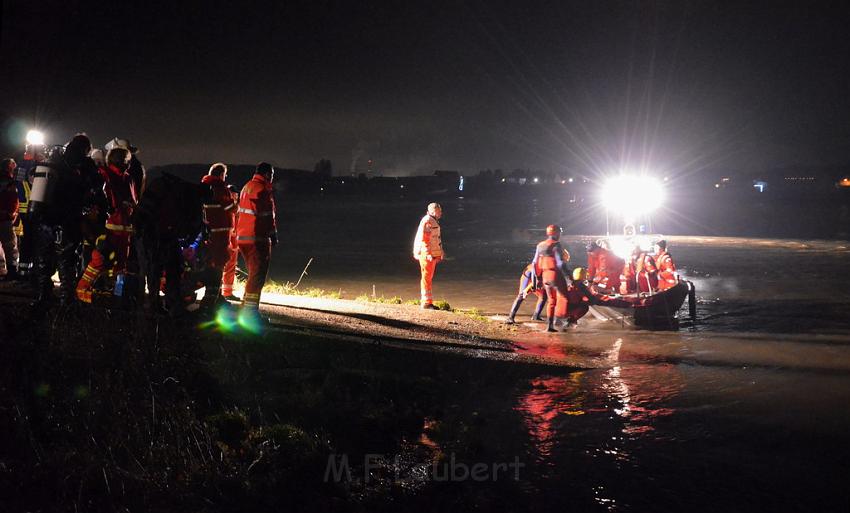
(673, 86)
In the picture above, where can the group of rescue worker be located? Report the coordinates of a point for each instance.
(79, 210)
(566, 293)
(89, 213)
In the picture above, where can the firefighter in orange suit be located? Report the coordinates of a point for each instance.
(256, 231)
(229, 274)
(113, 248)
(549, 263)
(645, 272)
(604, 267)
(428, 250)
(667, 275)
(219, 218)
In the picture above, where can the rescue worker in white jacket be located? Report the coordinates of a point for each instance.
(428, 250)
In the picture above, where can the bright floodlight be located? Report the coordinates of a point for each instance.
(35, 138)
(632, 195)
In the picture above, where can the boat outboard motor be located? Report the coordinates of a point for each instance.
(45, 182)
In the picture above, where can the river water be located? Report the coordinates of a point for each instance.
(747, 408)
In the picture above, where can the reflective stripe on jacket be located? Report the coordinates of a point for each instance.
(221, 213)
(256, 212)
(121, 198)
(428, 240)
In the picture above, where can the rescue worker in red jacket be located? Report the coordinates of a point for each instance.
(256, 232)
(667, 275)
(549, 264)
(428, 250)
(219, 219)
(604, 267)
(113, 248)
(228, 276)
(578, 296)
(8, 218)
(646, 274)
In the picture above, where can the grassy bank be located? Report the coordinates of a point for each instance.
(107, 411)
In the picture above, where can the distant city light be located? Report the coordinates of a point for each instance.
(760, 186)
(570, 180)
(401, 186)
(563, 182)
(536, 179)
(717, 186)
(460, 185)
(503, 180)
(35, 138)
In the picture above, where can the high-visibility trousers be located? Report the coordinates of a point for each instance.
(257, 255)
(426, 268)
(556, 289)
(218, 248)
(228, 275)
(118, 246)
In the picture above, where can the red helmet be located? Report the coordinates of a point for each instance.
(553, 230)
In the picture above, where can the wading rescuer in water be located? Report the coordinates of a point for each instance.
(529, 283)
(219, 217)
(256, 232)
(428, 250)
(578, 296)
(549, 263)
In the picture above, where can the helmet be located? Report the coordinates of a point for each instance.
(120, 143)
(217, 169)
(661, 244)
(553, 230)
(579, 274)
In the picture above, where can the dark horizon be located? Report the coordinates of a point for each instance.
(667, 87)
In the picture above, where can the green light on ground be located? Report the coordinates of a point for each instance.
(249, 320)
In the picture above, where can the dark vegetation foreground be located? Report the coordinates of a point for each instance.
(109, 411)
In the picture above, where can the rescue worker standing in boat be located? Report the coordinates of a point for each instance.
(549, 263)
(428, 250)
(604, 267)
(667, 275)
(256, 232)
